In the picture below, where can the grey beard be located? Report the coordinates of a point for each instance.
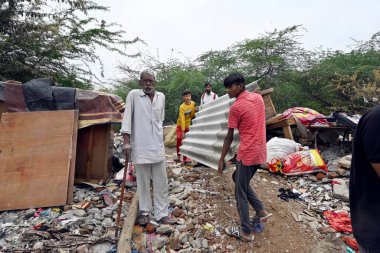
(148, 92)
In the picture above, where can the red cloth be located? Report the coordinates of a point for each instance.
(179, 140)
(351, 242)
(341, 222)
(247, 114)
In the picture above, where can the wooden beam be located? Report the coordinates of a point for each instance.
(70, 190)
(267, 91)
(124, 244)
(288, 132)
(282, 123)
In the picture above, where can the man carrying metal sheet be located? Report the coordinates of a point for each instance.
(247, 115)
(143, 139)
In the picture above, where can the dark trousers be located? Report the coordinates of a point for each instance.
(244, 193)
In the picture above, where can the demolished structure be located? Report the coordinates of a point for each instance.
(197, 199)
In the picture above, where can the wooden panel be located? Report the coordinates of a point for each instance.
(270, 110)
(70, 190)
(285, 125)
(288, 132)
(282, 123)
(2, 108)
(93, 153)
(36, 149)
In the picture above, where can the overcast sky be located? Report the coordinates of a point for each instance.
(191, 27)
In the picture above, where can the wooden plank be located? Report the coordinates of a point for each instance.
(270, 110)
(125, 241)
(82, 153)
(274, 119)
(70, 190)
(36, 152)
(267, 91)
(288, 132)
(94, 154)
(100, 156)
(90, 154)
(281, 123)
(3, 108)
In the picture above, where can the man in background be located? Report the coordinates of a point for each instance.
(365, 182)
(209, 95)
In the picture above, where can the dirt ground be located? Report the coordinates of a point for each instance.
(281, 233)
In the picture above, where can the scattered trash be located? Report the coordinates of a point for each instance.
(286, 194)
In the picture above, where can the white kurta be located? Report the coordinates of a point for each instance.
(143, 120)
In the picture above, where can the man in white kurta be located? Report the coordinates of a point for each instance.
(142, 130)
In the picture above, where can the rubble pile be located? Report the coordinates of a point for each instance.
(196, 228)
(320, 195)
(89, 224)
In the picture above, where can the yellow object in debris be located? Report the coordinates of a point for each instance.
(209, 227)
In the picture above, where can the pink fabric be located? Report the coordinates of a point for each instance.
(304, 115)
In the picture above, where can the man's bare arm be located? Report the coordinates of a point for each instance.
(226, 146)
(376, 167)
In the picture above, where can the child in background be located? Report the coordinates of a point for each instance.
(186, 112)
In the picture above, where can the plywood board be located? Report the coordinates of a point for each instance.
(3, 109)
(93, 163)
(37, 150)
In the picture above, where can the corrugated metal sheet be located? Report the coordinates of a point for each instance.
(204, 141)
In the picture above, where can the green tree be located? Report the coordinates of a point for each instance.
(57, 40)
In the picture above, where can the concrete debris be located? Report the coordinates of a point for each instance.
(341, 190)
(165, 229)
(345, 162)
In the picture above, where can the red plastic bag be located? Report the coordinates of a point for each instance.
(351, 242)
(341, 222)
